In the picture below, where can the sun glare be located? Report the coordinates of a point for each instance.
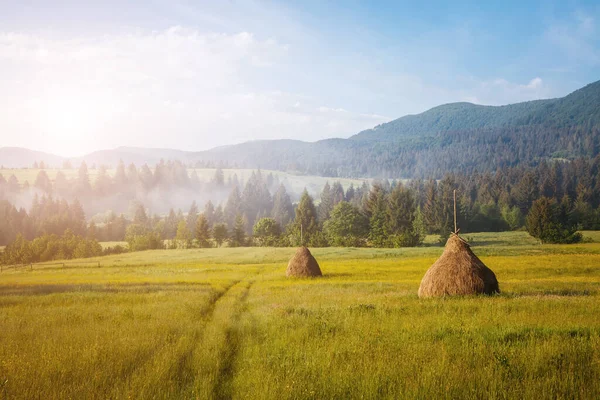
(68, 122)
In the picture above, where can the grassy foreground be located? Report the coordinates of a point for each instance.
(226, 323)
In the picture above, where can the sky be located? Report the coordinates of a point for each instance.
(78, 76)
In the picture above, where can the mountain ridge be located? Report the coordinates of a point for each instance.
(430, 140)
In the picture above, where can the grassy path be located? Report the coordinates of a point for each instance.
(216, 356)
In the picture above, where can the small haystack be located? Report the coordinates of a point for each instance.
(303, 264)
(458, 272)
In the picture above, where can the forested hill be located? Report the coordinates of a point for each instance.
(453, 117)
(581, 107)
(458, 137)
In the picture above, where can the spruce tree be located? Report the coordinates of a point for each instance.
(220, 233)
(283, 210)
(192, 216)
(233, 207)
(202, 231)
(183, 237)
(238, 234)
(378, 222)
(209, 213)
(305, 222)
(326, 204)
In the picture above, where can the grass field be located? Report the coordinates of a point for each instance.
(226, 323)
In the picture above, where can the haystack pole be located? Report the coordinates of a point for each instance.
(458, 271)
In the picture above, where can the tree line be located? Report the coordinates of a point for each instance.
(552, 200)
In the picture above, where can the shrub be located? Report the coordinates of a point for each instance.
(550, 222)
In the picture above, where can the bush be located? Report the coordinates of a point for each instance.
(406, 239)
(140, 238)
(267, 232)
(118, 249)
(551, 223)
(49, 248)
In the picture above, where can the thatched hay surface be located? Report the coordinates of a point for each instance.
(458, 272)
(303, 264)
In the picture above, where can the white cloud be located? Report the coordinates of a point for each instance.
(575, 38)
(500, 91)
(534, 83)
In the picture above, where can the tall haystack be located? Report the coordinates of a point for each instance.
(458, 272)
(303, 264)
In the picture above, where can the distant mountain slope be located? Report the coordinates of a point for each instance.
(579, 107)
(452, 137)
(135, 155)
(453, 117)
(18, 157)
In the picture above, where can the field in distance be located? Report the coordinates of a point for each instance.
(227, 323)
(296, 182)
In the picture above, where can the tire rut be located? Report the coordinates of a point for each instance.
(184, 368)
(222, 388)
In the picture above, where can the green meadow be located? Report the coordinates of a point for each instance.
(227, 323)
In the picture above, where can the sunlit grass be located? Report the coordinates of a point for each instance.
(222, 323)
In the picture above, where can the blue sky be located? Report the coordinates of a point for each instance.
(79, 76)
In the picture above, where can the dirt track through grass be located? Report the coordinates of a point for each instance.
(227, 323)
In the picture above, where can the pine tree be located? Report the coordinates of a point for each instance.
(526, 191)
(549, 222)
(283, 210)
(256, 199)
(139, 214)
(220, 233)
(195, 180)
(202, 231)
(419, 229)
(192, 216)
(305, 222)
(219, 178)
(171, 225)
(326, 204)
(430, 208)
(400, 210)
(13, 184)
(92, 232)
(183, 237)
(103, 183)
(209, 213)
(374, 198)
(378, 224)
(42, 182)
(337, 193)
(120, 175)
(219, 215)
(238, 234)
(83, 187)
(233, 207)
(446, 204)
(350, 193)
